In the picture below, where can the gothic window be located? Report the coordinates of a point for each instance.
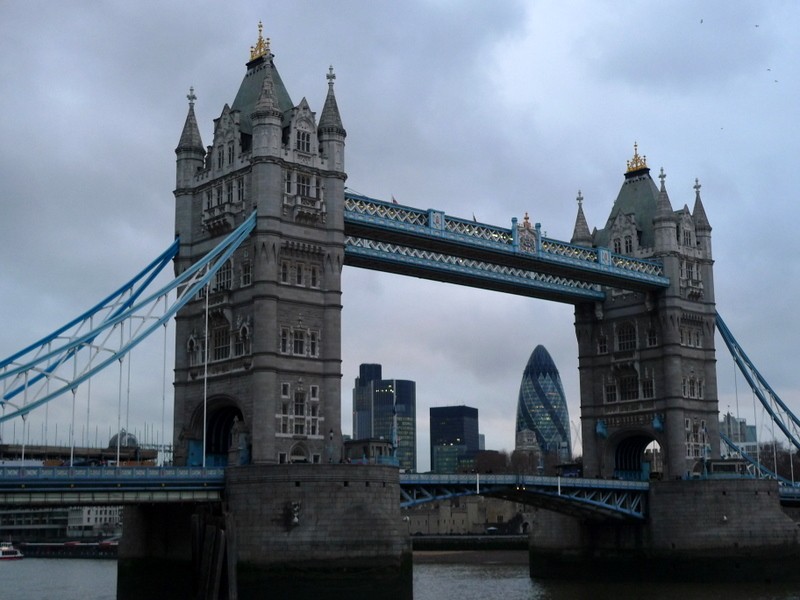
(689, 270)
(209, 199)
(602, 345)
(299, 403)
(617, 245)
(288, 181)
(611, 392)
(298, 274)
(299, 340)
(299, 412)
(303, 186)
(247, 273)
(218, 194)
(229, 192)
(221, 342)
(687, 237)
(313, 424)
(629, 387)
(314, 392)
(285, 271)
(318, 188)
(626, 337)
(224, 277)
(284, 343)
(648, 388)
(240, 189)
(314, 275)
(220, 157)
(628, 244)
(684, 388)
(652, 337)
(284, 390)
(303, 141)
(230, 154)
(313, 349)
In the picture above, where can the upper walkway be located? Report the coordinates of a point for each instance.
(429, 244)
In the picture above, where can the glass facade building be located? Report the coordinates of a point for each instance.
(386, 409)
(542, 416)
(454, 437)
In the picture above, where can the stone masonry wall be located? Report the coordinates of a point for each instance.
(717, 514)
(317, 517)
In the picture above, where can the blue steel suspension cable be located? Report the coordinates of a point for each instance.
(187, 285)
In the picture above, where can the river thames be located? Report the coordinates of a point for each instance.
(437, 576)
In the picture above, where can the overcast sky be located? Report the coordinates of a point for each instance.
(491, 109)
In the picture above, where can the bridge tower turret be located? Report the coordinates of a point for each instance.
(258, 356)
(647, 360)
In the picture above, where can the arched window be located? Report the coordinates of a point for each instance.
(194, 350)
(242, 345)
(617, 245)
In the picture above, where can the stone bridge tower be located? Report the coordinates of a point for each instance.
(647, 360)
(258, 361)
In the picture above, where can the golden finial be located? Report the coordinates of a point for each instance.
(637, 162)
(262, 45)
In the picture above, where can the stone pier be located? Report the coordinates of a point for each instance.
(696, 530)
(295, 530)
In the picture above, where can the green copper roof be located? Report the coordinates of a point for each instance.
(250, 89)
(638, 196)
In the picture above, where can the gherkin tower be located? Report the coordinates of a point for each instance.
(542, 417)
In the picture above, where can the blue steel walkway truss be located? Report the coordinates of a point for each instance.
(432, 245)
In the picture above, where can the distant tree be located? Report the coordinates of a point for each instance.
(492, 461)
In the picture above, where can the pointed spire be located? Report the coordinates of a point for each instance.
(699, 213)
(190, 136)
(663, 205)
(580, 234)
(330, 121)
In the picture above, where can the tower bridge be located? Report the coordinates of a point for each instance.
(264, 226)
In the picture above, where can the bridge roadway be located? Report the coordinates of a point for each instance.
(53, 486)
(81, 486)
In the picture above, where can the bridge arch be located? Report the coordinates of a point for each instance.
(224, 423)
(636, 455)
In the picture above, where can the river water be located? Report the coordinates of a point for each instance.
(440, 576)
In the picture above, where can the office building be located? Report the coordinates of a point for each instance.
(542, 416)
(454, 437)
(386, 409)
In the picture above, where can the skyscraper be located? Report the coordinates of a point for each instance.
(454, 436)
(386, 408)
(542, 416)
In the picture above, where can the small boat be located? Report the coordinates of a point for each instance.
(8, 552)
